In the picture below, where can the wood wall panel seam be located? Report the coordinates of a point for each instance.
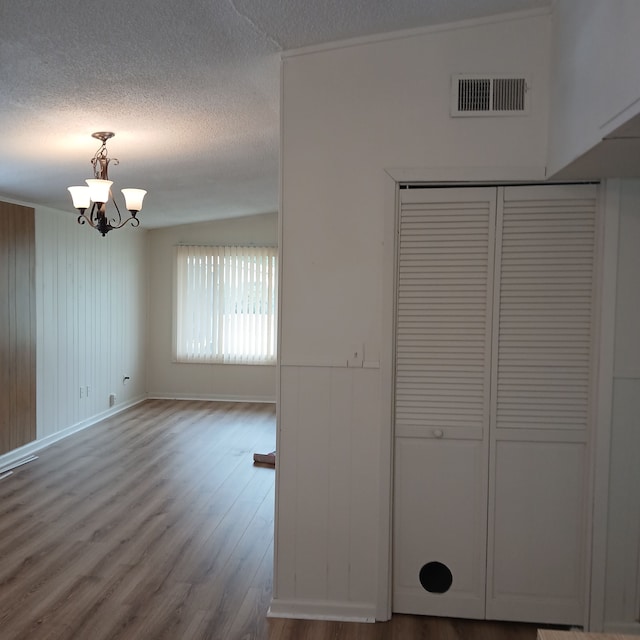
(18, 335)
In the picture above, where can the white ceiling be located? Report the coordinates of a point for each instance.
(190, 88)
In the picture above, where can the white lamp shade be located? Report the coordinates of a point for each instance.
(80, 196)
(133, 198)
(99, 190)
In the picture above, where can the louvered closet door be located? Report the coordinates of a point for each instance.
(540, 403)
(443, 344)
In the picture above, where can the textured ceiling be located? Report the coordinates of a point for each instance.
(190, 88)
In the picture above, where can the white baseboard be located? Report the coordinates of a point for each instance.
(10, 457)
(156, 395)
(322, 610)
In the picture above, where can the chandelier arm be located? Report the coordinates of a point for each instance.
(133, 220)
(95, 220)
(100, 221)
(102, 224)
(95, 214)
(119, 219)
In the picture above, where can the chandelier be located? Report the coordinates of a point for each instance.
(96, 194)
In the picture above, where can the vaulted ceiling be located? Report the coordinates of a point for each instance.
(190, 88)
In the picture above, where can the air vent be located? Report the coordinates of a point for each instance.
(478, 95)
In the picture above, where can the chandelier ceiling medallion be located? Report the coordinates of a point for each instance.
(96, 193)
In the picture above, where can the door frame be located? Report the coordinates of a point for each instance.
(606, 253)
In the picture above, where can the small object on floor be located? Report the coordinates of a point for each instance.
(265, 458)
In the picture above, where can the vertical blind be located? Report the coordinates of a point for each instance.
(226, 301)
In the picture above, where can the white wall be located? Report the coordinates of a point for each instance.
(168, 379)
(92, 296)
(595, 81)
(595, 89)
(350, 113)
(91, 311)
(622, 595)
(91, 314)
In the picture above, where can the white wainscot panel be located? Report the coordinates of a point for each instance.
(539, 507)
(440, 515)
(328, 493)
(622, 602)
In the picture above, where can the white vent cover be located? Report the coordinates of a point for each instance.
(489, 95)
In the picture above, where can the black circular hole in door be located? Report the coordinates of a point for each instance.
(436, 577)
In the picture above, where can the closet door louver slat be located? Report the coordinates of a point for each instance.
(546, 298)
(443, 308)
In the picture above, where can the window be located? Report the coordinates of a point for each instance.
(226, 301)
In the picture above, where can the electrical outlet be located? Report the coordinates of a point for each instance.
(112, 399)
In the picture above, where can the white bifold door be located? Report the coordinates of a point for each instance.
(493, 387)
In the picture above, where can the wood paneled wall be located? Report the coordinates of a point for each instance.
(17, 327)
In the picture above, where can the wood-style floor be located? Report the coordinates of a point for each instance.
(156, 525)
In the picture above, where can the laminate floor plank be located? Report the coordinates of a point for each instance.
(250, 621)
(122, 520)
(401, 627)
(61, 603)
(45, 576)
(226, 588)
(156, 525)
